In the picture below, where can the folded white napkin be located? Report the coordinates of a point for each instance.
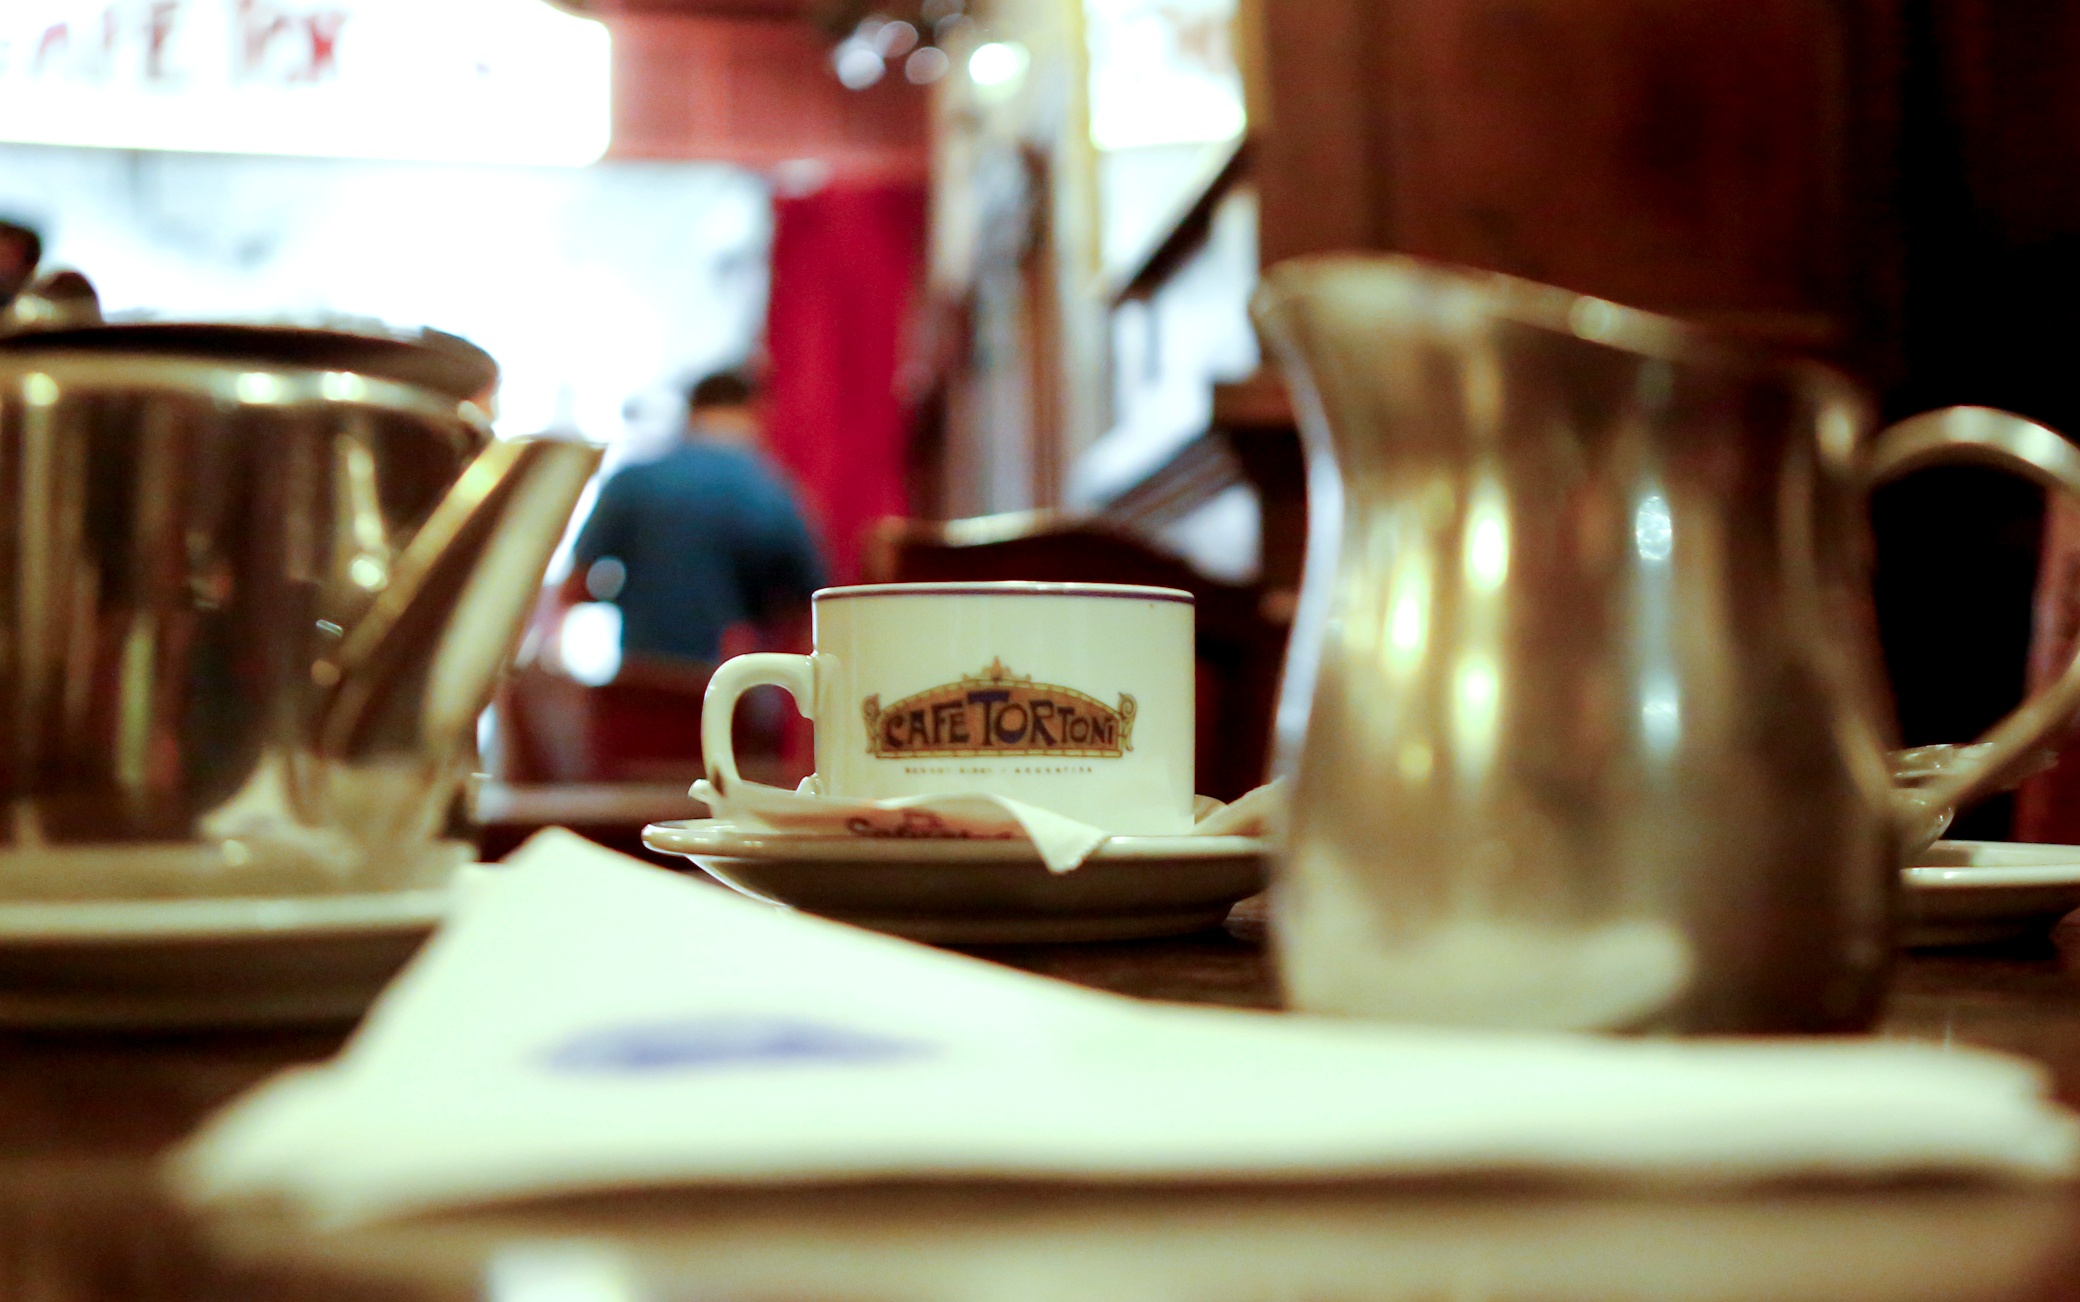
(585, 1022)
(1063, 842)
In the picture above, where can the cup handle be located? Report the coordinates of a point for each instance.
(731, 679)
(1983, 436)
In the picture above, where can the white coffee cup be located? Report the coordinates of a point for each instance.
(1075, 697)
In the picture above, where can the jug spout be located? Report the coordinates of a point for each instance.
(407, 681)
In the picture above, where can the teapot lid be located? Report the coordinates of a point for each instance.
(430, 359)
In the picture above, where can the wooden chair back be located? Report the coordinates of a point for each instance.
(643, 726)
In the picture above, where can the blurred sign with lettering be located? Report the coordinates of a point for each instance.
(487, 81)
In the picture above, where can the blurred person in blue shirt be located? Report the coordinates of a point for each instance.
(706, 536)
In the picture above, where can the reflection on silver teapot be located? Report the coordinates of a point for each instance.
(255, 586)
(1594, 719)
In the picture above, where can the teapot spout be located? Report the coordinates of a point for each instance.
(408, 680)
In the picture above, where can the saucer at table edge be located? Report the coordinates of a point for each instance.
(1977, 892)
(206, 962)
(980, 892)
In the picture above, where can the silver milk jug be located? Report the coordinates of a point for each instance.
(1584, 711)
(255, 586)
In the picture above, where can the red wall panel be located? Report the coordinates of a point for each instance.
(754, 92)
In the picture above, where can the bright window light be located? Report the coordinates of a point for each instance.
(1162, 72)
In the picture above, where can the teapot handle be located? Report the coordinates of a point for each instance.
(1984, 436)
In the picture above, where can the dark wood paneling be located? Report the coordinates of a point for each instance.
(1664, 152)
(1314, 130)
(1993, 200)
(1727, 161)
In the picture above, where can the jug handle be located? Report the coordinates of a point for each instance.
(1984, 436)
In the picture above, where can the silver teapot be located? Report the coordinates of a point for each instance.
(255, 586)
(1584, 708)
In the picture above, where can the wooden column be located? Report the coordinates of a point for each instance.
(1727, 160)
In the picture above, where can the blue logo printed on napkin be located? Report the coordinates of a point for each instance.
(706, 1043)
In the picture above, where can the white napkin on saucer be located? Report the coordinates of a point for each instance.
(1063, 842)
(585, 1022)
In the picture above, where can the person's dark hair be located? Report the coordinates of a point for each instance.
(722, 389)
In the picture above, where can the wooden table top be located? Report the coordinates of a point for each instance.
(82, 1118)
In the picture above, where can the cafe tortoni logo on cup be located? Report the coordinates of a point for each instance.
(998, 712)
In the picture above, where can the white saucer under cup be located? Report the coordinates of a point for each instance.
(979, 891)
(1072, 697)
